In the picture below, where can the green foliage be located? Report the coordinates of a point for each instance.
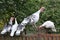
(23, 8)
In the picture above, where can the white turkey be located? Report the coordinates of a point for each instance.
(8, 26)
(14, 28)
(48, 24)
(32, 19)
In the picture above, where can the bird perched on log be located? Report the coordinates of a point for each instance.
(32, 19)
(48, 25)
(8, 26)
(14, 28)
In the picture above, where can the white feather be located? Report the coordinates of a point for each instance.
(32, 19)
(7, 28)
(14, 28)
(49, 24)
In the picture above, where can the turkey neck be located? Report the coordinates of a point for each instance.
(37, 13)
(15, 21)
(10, 22)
